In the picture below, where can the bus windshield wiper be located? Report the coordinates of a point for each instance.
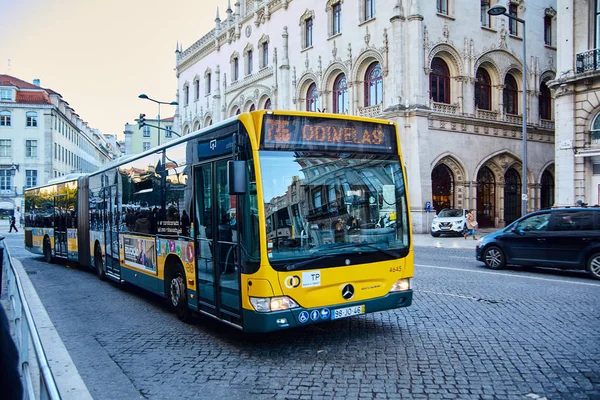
(371, 246)
(294, 266)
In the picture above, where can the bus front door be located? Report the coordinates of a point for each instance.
(216, 241)
(111, 233)
(60, 225)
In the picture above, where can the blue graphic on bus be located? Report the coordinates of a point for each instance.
(314, 315)
(303, 317)
(325, 313)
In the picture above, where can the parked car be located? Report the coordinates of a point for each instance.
(564, 237)
(449, 220)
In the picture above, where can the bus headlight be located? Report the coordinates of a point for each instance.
(268, 304)
(401, 285)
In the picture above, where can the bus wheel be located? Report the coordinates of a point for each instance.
(178, 293)
(98, 264)
(47, 250)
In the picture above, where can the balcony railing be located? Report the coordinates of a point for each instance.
(485, 114)
(547, 124)
(8, 190)
(445, 108)
(588, 61)
(370, 111)
(513, 119)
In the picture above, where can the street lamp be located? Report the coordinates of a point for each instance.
(173, 103)
(501, 10)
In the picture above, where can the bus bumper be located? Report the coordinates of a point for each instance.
(275, 321)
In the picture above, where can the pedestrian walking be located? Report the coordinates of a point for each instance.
(12, 225)
(10, 381)
(471, 225)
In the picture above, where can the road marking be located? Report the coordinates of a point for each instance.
(507, 274)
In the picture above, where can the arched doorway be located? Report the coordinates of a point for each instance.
(486, 194)
(512, 196)
(442, 187)
(547, 190)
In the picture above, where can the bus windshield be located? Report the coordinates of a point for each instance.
(320, 204)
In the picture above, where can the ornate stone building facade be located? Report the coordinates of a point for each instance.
(577, 92)
(445, 71)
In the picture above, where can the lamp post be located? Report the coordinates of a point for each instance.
(501, 10)
(173, 103)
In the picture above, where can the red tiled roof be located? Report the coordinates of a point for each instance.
(167, 119)
(32, 98)
(50, 91)
(7, 80)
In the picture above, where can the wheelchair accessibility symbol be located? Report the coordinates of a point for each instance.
(303, 317)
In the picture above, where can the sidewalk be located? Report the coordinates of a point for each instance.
(449, 241)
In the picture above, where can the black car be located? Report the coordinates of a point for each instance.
(562, 237)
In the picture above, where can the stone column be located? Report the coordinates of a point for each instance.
(216, 113)
(284, 89)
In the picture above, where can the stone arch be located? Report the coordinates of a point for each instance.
(306, 15)
(262, 100)
(491, 67)
(263, 39)
(459, 188)
(546, 76)
(234, 109)
(196, 125)
(363, 61)
(499, 162)
(249, 47)
(548, 166)
(207, 72)
(450, 55)
(453, 162)
(303, 83)
(234, 55)
(207, 119)
(248, 104)
(332, 71)
(331, 3)
(186, 129)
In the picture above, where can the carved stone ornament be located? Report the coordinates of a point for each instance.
(334, 50)
(248, 31)
(446, 32)
(367, 37)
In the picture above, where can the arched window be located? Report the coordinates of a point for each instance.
(373, 85)
(31, 119)
(238, 111)
(268, 104)
(5, 118)
(545, 102)
(547, 191)
(512, 196)
(511, 95)
(312, 97)
(252, 108)
(594, 133)
(439, 81)
(442, 187)
(340, 95)
(483, 90)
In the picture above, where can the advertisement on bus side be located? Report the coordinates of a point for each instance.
(139, 252)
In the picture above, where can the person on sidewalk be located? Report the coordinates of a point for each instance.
(471, 225)
(12, 225)
(10, 381)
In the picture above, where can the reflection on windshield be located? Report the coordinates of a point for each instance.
(320, 204)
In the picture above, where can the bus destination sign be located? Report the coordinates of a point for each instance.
(288, 132)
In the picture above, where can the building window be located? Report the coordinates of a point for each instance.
(4, 118)
(548, 30)
(545, 102)
(439, 81)
(168, 131)
(340, 95)
(265, 54)
(337, 19)
(485, 17)
(31, 148)
(308, 33)
(5, 179)
(595, 132)
(249, 62)
(238, 111)
(512, 23)
(6, 95)
(597, 24)
(268, 104)
(30, 178)
(317, 199)
(186, 95)
(369, 9)
(31, 119)
(5, 148)
(312, 97)
(483, 90)
(252, 108)
(207, 83)
(442, 6)
(511, 95)
(145, 146)
(146, 131)
(373, 85)
(196, 89)
(236, 69)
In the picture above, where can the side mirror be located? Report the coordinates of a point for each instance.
(236, 172)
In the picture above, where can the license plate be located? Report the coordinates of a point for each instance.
(348, 312)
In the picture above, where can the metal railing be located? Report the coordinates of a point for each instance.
(26, 334)
(588, 61)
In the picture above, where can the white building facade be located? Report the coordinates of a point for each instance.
(445, 71)
(41, 137)
(577, 92)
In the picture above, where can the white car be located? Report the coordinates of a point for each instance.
(449, 220)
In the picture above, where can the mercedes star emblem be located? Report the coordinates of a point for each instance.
(348, 292)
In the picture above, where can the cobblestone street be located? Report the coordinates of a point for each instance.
(470, 333)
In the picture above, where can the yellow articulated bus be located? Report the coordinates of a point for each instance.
(265, 221)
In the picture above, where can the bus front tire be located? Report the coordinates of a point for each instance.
(178, 293)
(47, 250)
(99, 264)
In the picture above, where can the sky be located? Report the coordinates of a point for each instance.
(101, 54)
